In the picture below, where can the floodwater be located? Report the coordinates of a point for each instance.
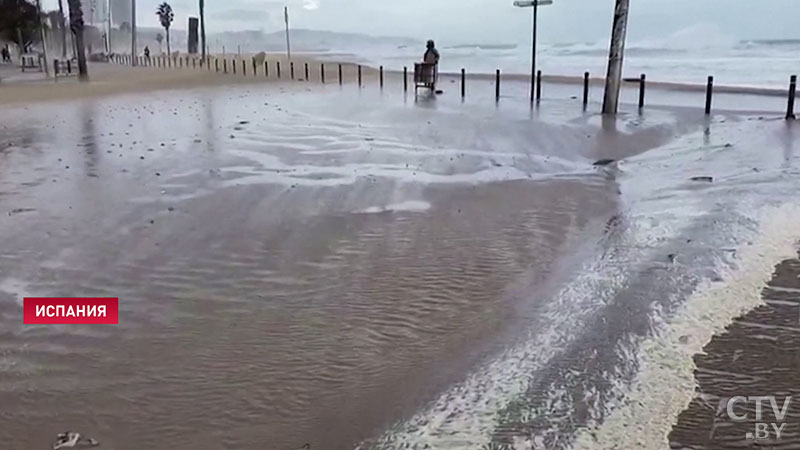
(359, 269)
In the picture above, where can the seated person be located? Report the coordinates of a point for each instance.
(431, 56)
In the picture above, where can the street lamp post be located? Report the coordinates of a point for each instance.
(535, 4)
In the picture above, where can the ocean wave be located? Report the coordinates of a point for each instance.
(484, 46)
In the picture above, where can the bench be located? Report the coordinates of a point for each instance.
(64, 67)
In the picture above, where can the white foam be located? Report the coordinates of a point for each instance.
(465, 416)
(665, 384)
(410, 205)
(16, 287)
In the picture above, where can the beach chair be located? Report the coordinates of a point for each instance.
(425, 76)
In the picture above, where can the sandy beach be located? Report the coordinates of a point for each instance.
(114, 78)
(359, 268)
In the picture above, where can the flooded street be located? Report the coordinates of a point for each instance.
(341, 269)
(284, 276)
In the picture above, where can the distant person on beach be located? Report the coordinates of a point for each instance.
(431, 54)
(6, 54)
(146, 52)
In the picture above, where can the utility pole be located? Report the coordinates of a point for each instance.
(286, 19)
(535, 4)
(615, 57)
(133, 32)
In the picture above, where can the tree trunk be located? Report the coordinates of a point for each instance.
(76, 24)
(21, 45)
(169, 52)
(203, 28)
(62, 23)
(43, 38)
(134, 51)
(615, 57)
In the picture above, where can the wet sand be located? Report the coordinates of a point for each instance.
(757, 355)
(112, 78)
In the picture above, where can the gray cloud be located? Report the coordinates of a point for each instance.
(490, 20)
(241, 15)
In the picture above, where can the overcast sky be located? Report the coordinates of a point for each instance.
(496, 21)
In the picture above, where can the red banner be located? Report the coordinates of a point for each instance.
(71, 310)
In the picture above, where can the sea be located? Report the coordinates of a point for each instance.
(689, 56)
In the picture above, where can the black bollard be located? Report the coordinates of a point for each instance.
(709, 94)
(538, 85)
(497, 85)
(291, 69)
(322, 73)
(642, 85)
(266, 69)
(244, 68)
(306, 71)
(225, 65)
(55, 68)
(359, 75)
(69, 67)
(216, 64)
(381, 76)
(585, 89)
(792, 92)
(233, 65)
(255, 67)
(463, 83)
(405, 79)
(194, 63)
(340, 74)
(278, 68)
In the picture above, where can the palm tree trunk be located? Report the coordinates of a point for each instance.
(76, 24)
(169, 52)
(615, 57)
(203, 28)
(62, 24)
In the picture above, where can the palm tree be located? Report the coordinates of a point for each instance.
(203, 27)
(165, 16)
(76, 24)
(615, 57)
